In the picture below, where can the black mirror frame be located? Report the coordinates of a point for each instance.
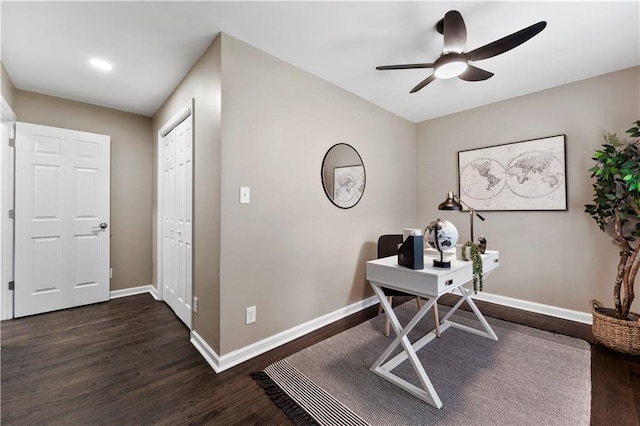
(324, 187)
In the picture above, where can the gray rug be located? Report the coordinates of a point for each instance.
(527, 377)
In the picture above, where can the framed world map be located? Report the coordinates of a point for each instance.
(527, 175)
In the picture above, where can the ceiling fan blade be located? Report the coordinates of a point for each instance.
(475, 74)
(423, 83)
(455, 32)
(506, 43)
(404, 67)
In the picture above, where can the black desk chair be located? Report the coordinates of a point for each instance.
(388, 246)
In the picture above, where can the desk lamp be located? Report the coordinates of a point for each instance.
(453, 202)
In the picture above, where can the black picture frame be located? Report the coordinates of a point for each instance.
(527, 175)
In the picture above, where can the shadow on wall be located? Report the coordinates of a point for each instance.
(360, 288)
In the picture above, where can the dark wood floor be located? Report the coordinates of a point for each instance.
(129, 361)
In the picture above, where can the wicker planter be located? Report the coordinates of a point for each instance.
(619, 335)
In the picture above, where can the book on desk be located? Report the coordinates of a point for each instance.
(447, 254)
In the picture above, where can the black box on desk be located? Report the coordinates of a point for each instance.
(411, 252)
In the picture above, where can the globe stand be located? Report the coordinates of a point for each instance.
(446, 264)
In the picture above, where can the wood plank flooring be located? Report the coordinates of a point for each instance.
(129, 361)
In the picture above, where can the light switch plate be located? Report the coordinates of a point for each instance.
(250, 315)
(245, 195)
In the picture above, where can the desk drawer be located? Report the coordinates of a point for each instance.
(411, 281)
(490, 260)
(448, 280)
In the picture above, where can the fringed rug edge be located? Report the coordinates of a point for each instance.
(282, 400)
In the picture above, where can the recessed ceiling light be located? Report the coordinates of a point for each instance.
(101, 64)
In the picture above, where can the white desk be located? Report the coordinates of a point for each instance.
(429, 283)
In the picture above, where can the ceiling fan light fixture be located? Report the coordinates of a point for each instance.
(451, 69)
(450, 65)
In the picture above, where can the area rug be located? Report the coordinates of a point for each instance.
(527, 377)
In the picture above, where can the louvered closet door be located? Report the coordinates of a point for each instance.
(62, 219)
(177, 204)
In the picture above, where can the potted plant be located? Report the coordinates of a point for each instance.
(616, 209)
(474, 254)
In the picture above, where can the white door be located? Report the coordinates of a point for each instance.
(62, 219)
(177, 155)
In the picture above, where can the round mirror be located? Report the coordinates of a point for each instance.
(343, 175)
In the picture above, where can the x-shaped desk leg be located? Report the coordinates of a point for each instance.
(427, 393)
(466, 296)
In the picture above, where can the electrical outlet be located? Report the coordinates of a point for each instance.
(195, 305)
(251, 315)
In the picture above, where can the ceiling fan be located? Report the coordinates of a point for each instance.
(454, 62)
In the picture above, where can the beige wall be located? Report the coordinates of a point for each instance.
(262, 123)
(202, 83)
(131, 153)
(556, 258)
(291, 252)
(8, 89)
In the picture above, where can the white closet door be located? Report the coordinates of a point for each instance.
(62, 215)
(177, 220)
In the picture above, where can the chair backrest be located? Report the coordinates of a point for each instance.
(388, 245)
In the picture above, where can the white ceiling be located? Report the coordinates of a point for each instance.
(46, 47)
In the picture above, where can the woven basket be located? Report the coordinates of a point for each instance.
(619, 335)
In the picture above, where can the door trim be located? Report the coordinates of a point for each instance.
(182, 114)
(7, 164)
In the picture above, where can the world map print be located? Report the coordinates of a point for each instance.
(348, 185)
(526, 175)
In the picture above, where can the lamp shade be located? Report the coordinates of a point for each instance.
(450, 203)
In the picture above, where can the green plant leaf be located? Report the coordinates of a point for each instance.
(616, 184)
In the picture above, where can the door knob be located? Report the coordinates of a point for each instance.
(103, 225)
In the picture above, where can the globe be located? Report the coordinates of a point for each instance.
(446, 232)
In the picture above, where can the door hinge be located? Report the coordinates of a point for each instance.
(12, 285)
(12, 214)
(12, 142)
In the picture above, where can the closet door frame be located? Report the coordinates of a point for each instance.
(186, 112)
(7, 193)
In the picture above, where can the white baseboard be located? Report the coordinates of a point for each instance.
(153, 291)
(224, 362)
(134, 290)
(207, 352)
(525, 305)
